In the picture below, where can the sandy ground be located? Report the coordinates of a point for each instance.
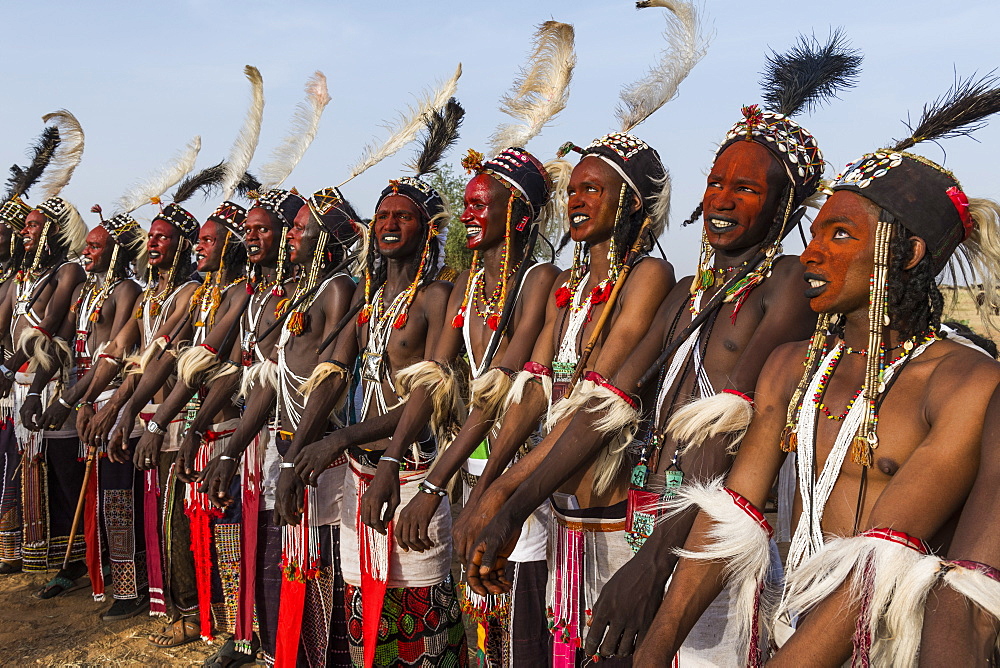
(68, 631)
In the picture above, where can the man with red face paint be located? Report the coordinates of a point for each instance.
(618, 195)
(102, 305)
(160, 321)
(709, 341)
(886, 424)
(505, 205)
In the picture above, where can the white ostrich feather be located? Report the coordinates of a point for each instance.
(541, 90)
(161, 181)
(686, 46)
(67, 155)
(405, 129)
(245, 145)
(305, 123)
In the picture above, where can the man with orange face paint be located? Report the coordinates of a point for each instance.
(886, 423)
(711, 337)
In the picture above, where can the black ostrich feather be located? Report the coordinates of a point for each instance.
(958, 113)
(247, 184)
(21, 179)
(441, 134)
(809, 74)
(206, 180)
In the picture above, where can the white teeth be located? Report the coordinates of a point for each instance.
(253, 249)
(472, 230)
(578, 218)
(390, 238)
(721, 224)
(815, 283)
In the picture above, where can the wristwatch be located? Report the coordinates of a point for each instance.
(154, 428)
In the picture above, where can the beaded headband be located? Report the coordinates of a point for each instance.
(13, 213)
(179, 217)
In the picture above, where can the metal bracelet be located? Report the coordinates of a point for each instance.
(34, 394)
(7, 373)
(389, 459)
(227, 458)
(286, 465)
(428, 488)
(63, 403)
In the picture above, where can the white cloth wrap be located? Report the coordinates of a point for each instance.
(406, 569)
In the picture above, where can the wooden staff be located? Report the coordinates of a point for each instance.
(91, 456)
(631, 259)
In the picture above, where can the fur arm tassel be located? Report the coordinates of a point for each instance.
(975, 581)
(741, 537)
(151, 352)
(323, 371)
(196, 364)
(889, 577)
(442, 386)
(45, 352)
(728, 412)
(260, 374)
(489, 392)
(521, 380)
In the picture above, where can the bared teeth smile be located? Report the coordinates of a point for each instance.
(720, 224)
(472, 231)
(390, 238)
(816, 283)
(578, 218)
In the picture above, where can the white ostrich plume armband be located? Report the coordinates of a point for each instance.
(258, 376)
(442, 387)
(740, 536)
(978, 582)
(488, 393)
(729, 412)
(889, 575)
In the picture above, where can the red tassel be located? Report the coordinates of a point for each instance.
(154, 560)
(563, 295)
(91, 535)
(400, 321)
(293, 603)
(365, 315)
(493, 322)
(458, 322)
(201, 546)
(248, 549)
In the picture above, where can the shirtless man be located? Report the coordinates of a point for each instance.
(402, 313)
(12, 215)
(102, 306)
(503, 205)
(161, 319)
(37, 308)
(320, 299)
(908, 406)
(749, 299)
(616, 207)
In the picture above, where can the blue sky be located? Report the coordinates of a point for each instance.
(143, 78)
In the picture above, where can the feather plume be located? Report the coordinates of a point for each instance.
(809, 73)
(160, 182)
(68, 154)
(21, 180)
(719, 414)
(958, 113)
(441, 134)
(686, 46)
(207, 180)
(406, 127)
(248, 183)
(305, 123)
(245, 145)
(542, 88)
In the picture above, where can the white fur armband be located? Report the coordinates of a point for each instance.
(258, 375)
(151, 352)
(442, 386)
(890, 576)
(728, 412)
(489, 392)
(741, 537)
(196, 364)
(531, 371)
(975, 581)
(44, 351)
(323, 371)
